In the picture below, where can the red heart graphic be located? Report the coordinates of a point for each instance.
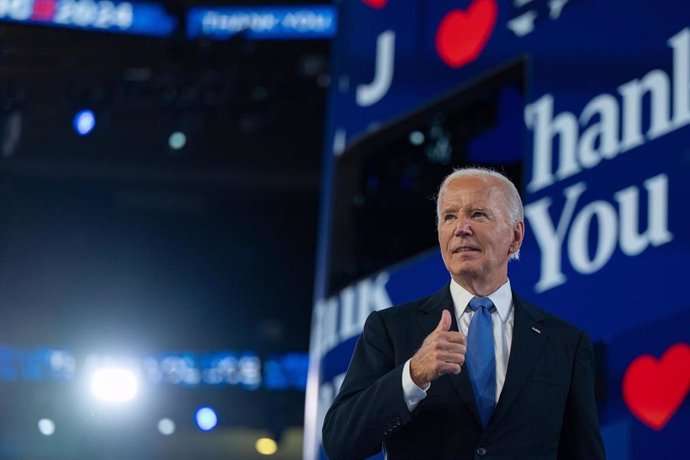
(376, 4)
(462, 35)
(654, 389)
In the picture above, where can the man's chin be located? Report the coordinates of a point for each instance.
(466, 272)
(470, 260)
(465, 266)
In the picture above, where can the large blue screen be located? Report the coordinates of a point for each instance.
(598, 129)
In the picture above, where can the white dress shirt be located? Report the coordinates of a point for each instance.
(502, 317)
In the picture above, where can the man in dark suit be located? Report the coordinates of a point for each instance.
(473, 371)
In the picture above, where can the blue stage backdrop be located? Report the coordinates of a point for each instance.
(586, 105)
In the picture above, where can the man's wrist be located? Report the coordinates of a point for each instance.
(416, 378)
(412, 392)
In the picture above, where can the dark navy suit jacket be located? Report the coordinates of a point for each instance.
(546, 409)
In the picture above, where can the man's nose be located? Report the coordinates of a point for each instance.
(463, 227)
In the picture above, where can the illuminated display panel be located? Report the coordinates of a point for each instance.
(245, 370)
(279, 22)
(98, 15)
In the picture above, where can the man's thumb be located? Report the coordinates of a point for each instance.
(444, 324)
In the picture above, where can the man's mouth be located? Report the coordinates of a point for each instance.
(465, 249)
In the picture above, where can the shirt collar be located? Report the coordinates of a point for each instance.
(501, 297)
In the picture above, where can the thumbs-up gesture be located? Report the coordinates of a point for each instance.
(442, 352)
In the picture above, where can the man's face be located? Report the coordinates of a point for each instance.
(475, 232)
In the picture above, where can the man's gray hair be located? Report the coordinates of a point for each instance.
(516, 211)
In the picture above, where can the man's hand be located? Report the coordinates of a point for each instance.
(442, 352)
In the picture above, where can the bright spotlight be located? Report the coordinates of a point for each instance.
(166, 426)
(206, 418)
(266, 446)
(46, 426)
(114, 384)
(84, 122)
(177, 140)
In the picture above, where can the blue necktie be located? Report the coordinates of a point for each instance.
(480, 358)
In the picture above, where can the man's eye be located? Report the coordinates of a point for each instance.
(478, 214)
(448, 217)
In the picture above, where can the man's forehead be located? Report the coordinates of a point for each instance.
(471, 189)
(469, 199)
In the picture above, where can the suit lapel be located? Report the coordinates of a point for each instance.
(429, 316)
(525, 349)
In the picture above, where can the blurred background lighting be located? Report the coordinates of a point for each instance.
(177, 140)
(114, 384)
(166, 426)
(46, 426)
(84, 122)
(266, 446)
(416, 138)
(206, 418)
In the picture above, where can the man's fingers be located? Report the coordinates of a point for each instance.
(443, 352)
(449, 368)
(455, 348)
(452, 358)
(455, 337)
(444, 324)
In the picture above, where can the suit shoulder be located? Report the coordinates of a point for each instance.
(404, 310)
(547, 319)
(400, 310)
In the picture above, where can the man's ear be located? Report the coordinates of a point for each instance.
(518, 236)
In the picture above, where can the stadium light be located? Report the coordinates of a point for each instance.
(166, 426)
(206, 418)
(177, 140)
(84, 122)
(46, 426)
(266, 446)
(114, 384)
